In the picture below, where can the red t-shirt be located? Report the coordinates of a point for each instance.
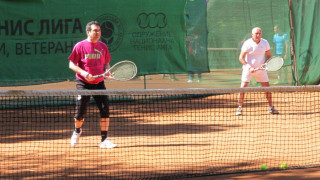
(91, 57)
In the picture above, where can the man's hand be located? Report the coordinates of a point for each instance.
(90, 77)
(87, 76)
(251, 69)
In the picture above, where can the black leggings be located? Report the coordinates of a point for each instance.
(83, 101)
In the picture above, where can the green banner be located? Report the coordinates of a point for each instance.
(36, 37)
(306, 24)
(197, 36)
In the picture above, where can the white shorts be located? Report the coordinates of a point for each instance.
(260, 75)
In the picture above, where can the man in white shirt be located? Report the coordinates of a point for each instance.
(253, 53)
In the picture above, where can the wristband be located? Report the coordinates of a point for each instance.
(247, 66)
(84, 74)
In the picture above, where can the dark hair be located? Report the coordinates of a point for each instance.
(88, 27)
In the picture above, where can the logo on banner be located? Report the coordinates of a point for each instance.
(152, 34)
(112, 31)
(152, 20)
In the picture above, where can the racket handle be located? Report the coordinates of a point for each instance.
(98, 76)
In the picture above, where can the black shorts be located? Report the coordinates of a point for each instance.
(83, 101)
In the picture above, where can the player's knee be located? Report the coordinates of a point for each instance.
(104, 114)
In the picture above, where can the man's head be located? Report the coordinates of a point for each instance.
(93, 31)
(256, 34)
(275, 29)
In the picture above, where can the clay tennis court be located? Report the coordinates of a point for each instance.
(170, 138)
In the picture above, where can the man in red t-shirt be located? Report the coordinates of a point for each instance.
(91, 57)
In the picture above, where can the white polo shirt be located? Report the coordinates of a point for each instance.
(255, 52)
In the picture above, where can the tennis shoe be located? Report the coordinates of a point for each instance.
(107, 144)
(239, 111)
(75, 138)
(272, 110)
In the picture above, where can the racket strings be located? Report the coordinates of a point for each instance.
(124, 71)
(274, 64)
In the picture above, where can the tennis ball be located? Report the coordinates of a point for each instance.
(283, 166)
(263, 166)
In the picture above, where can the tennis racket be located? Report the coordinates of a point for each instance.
(121, 71)
(272, 64)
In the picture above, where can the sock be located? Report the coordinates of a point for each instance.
(104, 135)
(77, 130)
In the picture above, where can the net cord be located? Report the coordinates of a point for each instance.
(8, 93)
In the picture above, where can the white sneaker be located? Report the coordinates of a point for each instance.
(189, 81)
(272, 110)
(107, 144)
(75, 138)
(239, 111)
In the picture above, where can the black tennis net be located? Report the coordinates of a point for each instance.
(161, 134)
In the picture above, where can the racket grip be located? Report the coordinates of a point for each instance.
(98, 76)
